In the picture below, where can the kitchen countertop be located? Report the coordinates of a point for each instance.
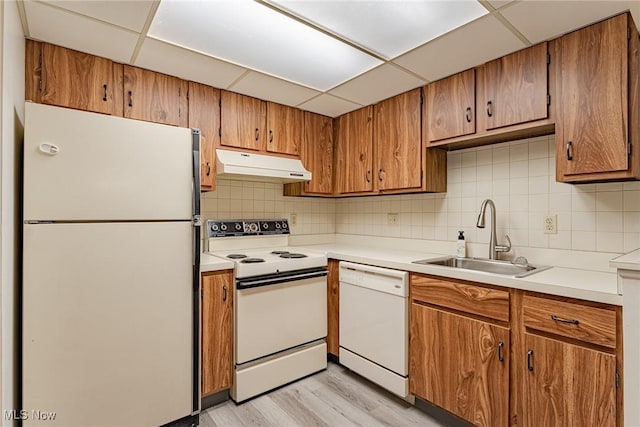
(630, 261)
(213, 263)
(588, 285)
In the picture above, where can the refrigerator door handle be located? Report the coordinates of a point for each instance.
(195, 133)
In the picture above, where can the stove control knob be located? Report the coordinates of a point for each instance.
(284, 224)
(253, 227)
(215, 227)
(238, 226)
(223, 227)
(278, 225)
(265, 225)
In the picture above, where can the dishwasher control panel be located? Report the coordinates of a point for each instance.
(393, 282)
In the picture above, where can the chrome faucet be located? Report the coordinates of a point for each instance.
(494, 248)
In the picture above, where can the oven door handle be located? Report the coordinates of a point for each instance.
(255, 282)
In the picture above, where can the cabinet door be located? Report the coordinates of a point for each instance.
(285, 126)
(155, 97)
(568, 385)
(354, 167)
(204, 114)
(217, 331)
(398, 141)
(242, 121)
(317, 153)
(460, 364)
(451, 106)
(77, 80)
(333, 308)
(516, 88)
(593, 124)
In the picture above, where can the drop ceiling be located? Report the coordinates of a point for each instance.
(329, 57)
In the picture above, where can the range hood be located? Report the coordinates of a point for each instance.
(259, 167)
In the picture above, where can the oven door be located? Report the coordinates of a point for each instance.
(278, 312)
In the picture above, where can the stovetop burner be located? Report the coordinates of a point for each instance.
(236, 256)
(279, 252)
(292, 255)
(251, 260)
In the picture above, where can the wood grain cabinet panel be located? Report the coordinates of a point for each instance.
(333, 308)
(398, 141)
(515, 88)
(285, 127)
(155, 97)
(242, 121)
(460, 364)
(73, 79)
(317, 153)
(568, 385)
(593, 129)
(217, 331)
(354, 156)
(451, 107)
(204, 114)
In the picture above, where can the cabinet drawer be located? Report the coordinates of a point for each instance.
(462, 296)
(585, 323)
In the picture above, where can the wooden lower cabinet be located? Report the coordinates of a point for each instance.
(460, 364)
(333, 307)
(217, 331)
(568, 385)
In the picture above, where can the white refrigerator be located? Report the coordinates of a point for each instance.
(111, 291)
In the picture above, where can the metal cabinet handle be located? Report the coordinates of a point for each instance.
(500, 355)
(530, 360)
(569, 149)
(104, 98)
(380, 174)
(270, 136)
(208, 168)
(224, 293)
(367, 176)
(490, 108)
(130, 99)
(468, 114)
(257, 134)
(569, 321)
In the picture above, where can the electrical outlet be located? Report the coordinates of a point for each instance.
(550, 226)
(392, 218)
(293, 219)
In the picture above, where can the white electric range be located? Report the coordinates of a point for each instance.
(280, 314)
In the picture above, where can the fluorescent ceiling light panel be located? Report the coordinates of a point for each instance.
(255, 36)
(389, 28)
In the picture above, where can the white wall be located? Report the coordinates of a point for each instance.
(12, 90)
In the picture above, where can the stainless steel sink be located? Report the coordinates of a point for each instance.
(505, 268)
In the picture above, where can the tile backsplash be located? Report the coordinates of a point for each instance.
(518, 176)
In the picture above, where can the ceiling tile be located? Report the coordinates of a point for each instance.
(159, 56)
(389, 28)
(499, 3)
(130, 14)
(542, 20)
(378, 84)
(329, 105)
(250, 34)
(75, 32)
(273, 89)
(474, 44)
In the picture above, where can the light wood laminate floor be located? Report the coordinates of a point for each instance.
(335, 397)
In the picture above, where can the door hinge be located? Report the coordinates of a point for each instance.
(617, 380)
(628, 148)
(548, 58)
(548, 99)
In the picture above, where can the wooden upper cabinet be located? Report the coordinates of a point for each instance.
(317, 153)
(592, 130)
(515, 88)
(217, 331)
(398, 141)
(155, 97)
(354, 156)
(450, 107)
(73, 79)
(204, 114)
(568, 385)
(460, 364)
(285, 127)
(242, 121)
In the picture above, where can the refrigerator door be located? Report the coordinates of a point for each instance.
(81, 166)
(108, 323)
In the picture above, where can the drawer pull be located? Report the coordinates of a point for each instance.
(500, 355)
(529, 360)
(569, 321)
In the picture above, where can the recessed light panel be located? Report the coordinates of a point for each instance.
(255, 36)
(389, 28)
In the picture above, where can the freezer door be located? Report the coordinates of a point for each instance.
(87, 166)
(108, 323)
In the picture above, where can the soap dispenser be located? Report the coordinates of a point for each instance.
(461, 248)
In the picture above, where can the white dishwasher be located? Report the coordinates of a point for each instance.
(374, 332)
